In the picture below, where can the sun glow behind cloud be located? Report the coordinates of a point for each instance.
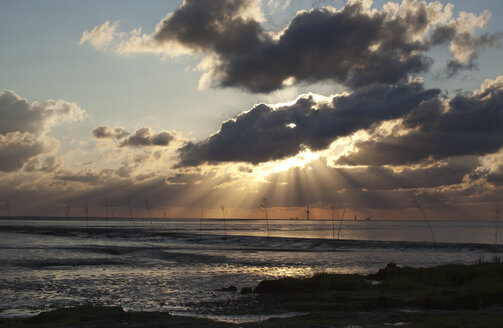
(299, 161)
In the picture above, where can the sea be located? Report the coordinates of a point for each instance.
(174, 265)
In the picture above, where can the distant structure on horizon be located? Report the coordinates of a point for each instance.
(307, 213)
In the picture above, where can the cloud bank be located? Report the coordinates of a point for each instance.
(464, 125)
(354, 46)
(265, 133)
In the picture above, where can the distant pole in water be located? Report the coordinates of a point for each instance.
(166, 217)
(497, 221)
(222, 208)
(149, 208)
(7, 207)
(67, 214)
(130, 210)
(263, 206)
(420, 208)
(332, 207)
(201, 222)
(340, 223)
(307, 212)
(106, 210)
(86, 209)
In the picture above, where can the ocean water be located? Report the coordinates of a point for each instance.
(173, 265)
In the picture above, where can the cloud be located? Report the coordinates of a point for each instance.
(50, 164)
(101, 36)
(355, 45)
(89, 177)
(464, 44)
(145, 137)
(139, 138)
(265, 133)
(106, 132)
(275, 5)
(24, 128)
(184, 178)
(464, 125)
(120, 175)
(16, 148)
(18, 115)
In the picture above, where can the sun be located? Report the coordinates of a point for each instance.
(300, 160)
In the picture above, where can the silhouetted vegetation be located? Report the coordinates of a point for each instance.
(448, 287)
(221, 206)
(318, 282)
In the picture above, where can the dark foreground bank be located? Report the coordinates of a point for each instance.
(94, 317)
(442, 296)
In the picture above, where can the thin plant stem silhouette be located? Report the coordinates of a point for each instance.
(130, 210)
(332, 207)
(106, 211)
(7, 207)
(67, 214)
(340, 223)
(201, 223)
(166, 214)
(497, 221)
(149, 210)
(420, 208)
(86, 209)
(263, 206)
(221, 206)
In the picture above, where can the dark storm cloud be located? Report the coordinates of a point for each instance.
(107, 132)
(470, 125)
(317, 45)
(353, 46)
(417, 147)
(145, 137)
(263, 133)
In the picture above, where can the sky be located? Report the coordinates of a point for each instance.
(370, 106)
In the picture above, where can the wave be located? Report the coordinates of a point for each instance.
(283, 244)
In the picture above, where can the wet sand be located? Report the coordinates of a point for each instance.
(49, 267)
